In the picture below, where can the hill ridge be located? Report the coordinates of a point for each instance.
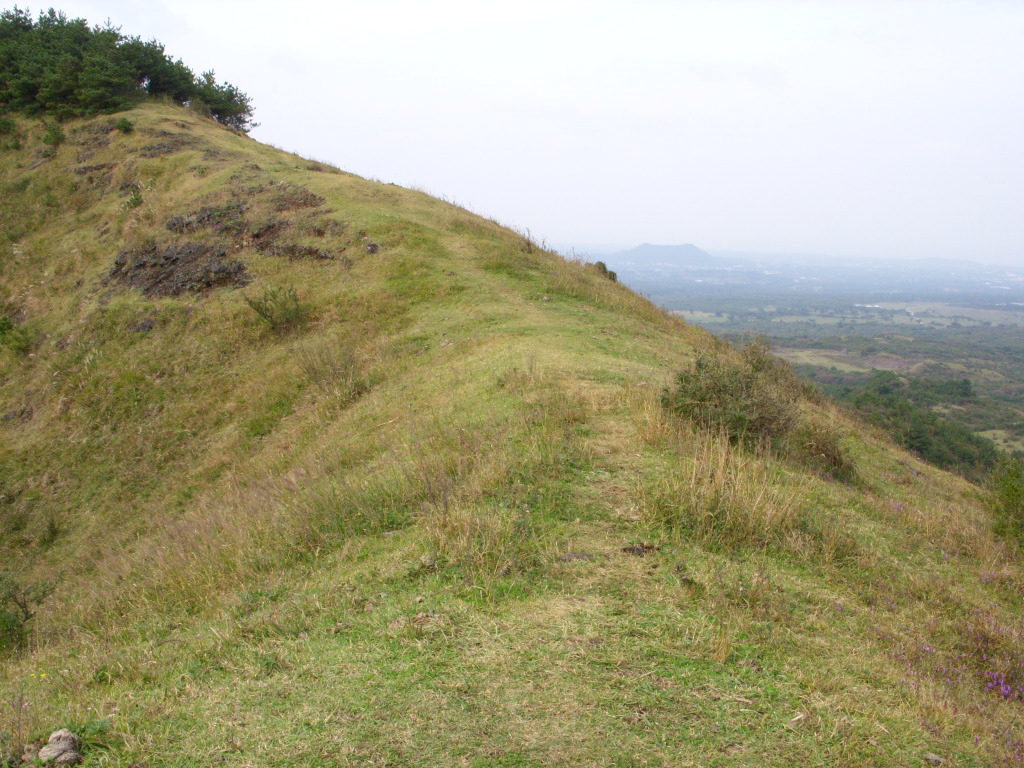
(298, 468)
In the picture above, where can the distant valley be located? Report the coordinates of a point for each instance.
(928, 320)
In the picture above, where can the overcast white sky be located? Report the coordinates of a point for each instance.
(887, 129)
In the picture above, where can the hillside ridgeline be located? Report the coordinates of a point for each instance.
(302, 469)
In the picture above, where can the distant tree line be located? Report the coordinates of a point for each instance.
(65, 68)
(901, 406)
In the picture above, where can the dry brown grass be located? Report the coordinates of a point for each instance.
(724, 496)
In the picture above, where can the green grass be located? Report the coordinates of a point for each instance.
(394, 534)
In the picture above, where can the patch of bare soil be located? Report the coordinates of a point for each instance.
(188, 268)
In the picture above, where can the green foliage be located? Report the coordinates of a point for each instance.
(134, 199)
(12, 335)
(1007, 499)
(124, 125)
(753, 399)
(740, 397)
(897, 405)
(603, 270)
(335, 369)
(18, 603)
(223, 102)
(66, 68)
(279, 307)
(53, 135)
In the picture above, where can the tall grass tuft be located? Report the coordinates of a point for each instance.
(723, 497)
(482, 540)
(335, 369)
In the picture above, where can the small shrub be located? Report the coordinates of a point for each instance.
(603, 270)
(753, 399)
(134, 199)
(1007, 499)
(53, 135)
(735, 396)
(279, 307)
(18, 603)
(12, 335)
(124, 125)
(7, 126)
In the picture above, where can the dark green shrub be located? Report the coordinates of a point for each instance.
(7, 126)
(753, 399)
(53, 135)
(603, 270)
(12, 335)
(734, 396)
(279, 307)
(18, 603)
(134, 199)
(124, 125)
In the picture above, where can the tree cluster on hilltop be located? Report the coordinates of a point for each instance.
(66, 68)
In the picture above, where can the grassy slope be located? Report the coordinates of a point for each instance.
(262, 563)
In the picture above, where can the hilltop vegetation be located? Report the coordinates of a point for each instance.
(65, 68)
(302, 469)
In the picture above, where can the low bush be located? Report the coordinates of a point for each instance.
(18, 603)
(753, 399)
(279, 307)
(134, 199)
(603, 270)
(53, 134)
(12, 335)
(1007, 499)
(735, 396)
(124, 125)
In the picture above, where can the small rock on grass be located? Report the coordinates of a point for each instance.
(933, 759)
(61, 749)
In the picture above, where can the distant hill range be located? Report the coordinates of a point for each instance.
(668, 271)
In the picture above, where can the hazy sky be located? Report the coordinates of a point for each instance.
(891, 128)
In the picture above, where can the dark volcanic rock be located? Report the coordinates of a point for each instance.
(188, 268)
(173, 143)
(221, 218)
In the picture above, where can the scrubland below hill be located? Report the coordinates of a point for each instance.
(302, 469)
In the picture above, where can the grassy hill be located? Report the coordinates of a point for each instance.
(300, 469)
